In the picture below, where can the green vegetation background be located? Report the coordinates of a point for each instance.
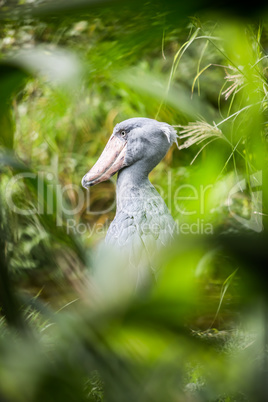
(68, 73)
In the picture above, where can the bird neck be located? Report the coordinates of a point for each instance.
(133, 187)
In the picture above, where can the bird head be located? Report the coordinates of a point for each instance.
(139, 141)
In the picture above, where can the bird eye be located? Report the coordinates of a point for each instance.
(123, 133)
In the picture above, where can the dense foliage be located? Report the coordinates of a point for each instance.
(69, 73)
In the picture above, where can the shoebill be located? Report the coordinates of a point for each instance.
(142, 224)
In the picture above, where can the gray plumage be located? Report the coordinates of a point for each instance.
(142, 223)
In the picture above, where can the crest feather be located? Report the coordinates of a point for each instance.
(170, 133)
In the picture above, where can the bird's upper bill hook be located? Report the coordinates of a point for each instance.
(111, 160)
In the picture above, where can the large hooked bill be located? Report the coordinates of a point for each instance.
(111, 160)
